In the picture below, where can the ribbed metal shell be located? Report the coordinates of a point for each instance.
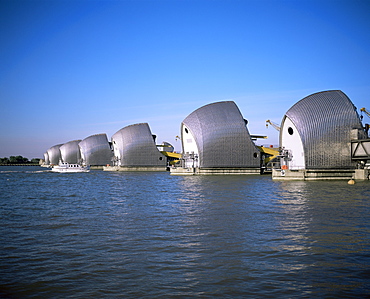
(95, 150)
(324, 121)
(54, 154)
(70, 152)
(137, 147)
(46, 159)
(222, 137)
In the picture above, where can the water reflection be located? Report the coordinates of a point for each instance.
(233, 224)
(203, 227)
(152, 235)
(295, 217)
(322, 221)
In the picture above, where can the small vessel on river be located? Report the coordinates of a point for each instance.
(66, 167)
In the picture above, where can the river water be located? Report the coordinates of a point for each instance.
(152, 235)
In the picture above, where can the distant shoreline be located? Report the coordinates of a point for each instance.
(21, 164)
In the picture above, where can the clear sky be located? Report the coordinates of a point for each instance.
(71, 69)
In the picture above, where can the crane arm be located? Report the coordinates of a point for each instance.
(366, 112)
(276, 126)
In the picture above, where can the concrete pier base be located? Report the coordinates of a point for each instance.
(362, 174)
(213, 171)
(95, 167)
(313, 174)
(182, 171)
(136, 168)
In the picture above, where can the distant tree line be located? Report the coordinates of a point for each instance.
(18, 160)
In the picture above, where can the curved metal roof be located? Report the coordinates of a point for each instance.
(70, 152)
(46, 158)
(96, 150)
(137, 146)
(54, 154)
(222, 137)
(324, 121)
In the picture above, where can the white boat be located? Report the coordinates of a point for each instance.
(66, 167)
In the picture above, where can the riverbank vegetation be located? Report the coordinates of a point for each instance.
(16, 160)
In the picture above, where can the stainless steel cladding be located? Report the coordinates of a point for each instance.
(95, 150)
(218, 135)
(324, 122)
(54, 154)
(46, 159)
(70, 152)
(134, 145)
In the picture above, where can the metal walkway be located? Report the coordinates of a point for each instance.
(360, 149)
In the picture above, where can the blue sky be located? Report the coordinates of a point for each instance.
(70, 69)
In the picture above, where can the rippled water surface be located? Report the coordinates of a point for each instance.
(109, 234)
